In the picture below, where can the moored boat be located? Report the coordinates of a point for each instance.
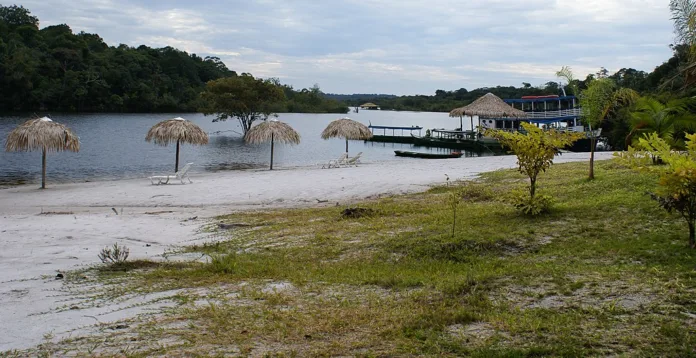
(405, 153)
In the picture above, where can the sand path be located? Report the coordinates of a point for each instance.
(34, 247)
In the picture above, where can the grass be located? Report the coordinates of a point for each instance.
(605, 273)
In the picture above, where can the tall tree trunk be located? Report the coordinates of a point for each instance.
(272, 135)
(43, 169)
(592, 148)
(176, 164)
(692, 235)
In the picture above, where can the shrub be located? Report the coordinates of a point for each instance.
(535, 205)
(677, 183)
(115, 254)
(535, 151)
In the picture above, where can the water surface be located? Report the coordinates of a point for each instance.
(113, 145)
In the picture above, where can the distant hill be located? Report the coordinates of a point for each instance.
(357, 96)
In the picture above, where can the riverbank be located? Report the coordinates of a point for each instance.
(44, 232)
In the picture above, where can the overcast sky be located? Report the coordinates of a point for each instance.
(387, 46)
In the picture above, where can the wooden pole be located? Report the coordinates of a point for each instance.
(461, 126)
(43, 169)
(176, 165)
(346, 145)
(272, 151)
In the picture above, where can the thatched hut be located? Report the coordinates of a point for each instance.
(272, 131)
(176, 130)
(487, 106)
(348, 129)
(45, 135)
(369, 105)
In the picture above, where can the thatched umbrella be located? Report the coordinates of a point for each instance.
(348, 129)
(272, 131)
(487, 106)
(45, 135)
(179, 130)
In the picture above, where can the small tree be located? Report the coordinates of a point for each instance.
(243, 97)
(677, 183)
(453, 200)
(600, 98)
(535, 151)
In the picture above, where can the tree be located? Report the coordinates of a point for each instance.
(16, 16)
(535, 152)
(243, 97)
(566, 73)
(601, 97)
(684, 17)
(652, 116)
(677, 183)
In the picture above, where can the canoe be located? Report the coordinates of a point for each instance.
(404, 153)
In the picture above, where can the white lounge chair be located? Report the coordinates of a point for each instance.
(335, 163)
(353, 161)
(181, 175)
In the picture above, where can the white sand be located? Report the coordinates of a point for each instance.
(34, 247)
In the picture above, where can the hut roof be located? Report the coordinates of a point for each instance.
(176, 129)
(279, 131)
(369, 105)
(42, 133)
(488, 106)
(346, 128)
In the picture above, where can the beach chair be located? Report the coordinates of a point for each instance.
(353, 161)
(335, 163)
(180, 175)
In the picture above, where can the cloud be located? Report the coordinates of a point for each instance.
(389, 46)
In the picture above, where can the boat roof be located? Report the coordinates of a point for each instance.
(540, 99)
(412, 128)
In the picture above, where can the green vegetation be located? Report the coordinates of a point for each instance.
(53, 69)
(605, 273)
(677, 184)
(244, 97)
(535, 150)
(601, 97)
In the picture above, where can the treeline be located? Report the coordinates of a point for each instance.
(54, 69)
(664, 78)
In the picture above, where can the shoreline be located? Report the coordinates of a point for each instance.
(62, 228)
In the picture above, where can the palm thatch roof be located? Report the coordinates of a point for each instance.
(369, 105)
(272, 130)
(176, 130)
(346, 128)
(488, 106)
(42, 134)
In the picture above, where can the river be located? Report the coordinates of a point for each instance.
(112, 146)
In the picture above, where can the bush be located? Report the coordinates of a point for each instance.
(115, 254)
(535, 205)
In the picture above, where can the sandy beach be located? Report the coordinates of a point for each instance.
(62, 228)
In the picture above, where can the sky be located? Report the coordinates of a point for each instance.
(387, 46)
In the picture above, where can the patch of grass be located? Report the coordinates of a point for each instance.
(606, 272)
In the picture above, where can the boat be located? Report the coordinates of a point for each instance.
(405, 153)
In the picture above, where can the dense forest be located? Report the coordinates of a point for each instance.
(54, 69)
(663, 79)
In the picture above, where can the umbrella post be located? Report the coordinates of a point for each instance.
(43, 169)
(346, 145)
(461, 125)
(272, 135)
(176, 164)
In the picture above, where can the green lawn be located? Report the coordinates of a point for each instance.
(606, 273)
